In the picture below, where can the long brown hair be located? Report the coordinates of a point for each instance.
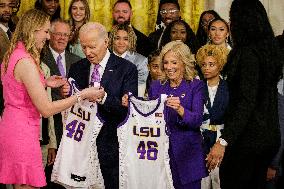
(30, 21)
(75, 31)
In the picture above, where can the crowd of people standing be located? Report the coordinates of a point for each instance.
(224, 88)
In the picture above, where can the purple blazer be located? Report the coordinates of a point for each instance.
(186, 150)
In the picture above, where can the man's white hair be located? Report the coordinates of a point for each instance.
(91, 27)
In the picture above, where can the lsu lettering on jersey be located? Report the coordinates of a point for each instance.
(77, 164)
(143, 146)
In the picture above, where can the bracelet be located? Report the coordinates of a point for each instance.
(78, 95)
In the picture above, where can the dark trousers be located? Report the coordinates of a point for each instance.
(242, 169)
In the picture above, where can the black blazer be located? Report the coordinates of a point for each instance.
(251, 119)
(120, 76)
(143, 44)
(154, 38)
(217, 109)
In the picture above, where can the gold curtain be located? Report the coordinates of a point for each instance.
(144, 12)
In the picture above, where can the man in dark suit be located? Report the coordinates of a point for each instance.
(5, 34)
(116, 76)
(59, 35)
(122, 13)
(169, 11)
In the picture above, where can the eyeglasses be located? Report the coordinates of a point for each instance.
(171, 11)
(59, 34)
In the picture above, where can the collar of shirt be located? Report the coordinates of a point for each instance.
(4, 28)
(56, 54)
(102, 65)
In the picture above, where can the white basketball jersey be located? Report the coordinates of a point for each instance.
(143, 146)
(77, 164)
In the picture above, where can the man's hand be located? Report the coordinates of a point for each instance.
(124, 100)
(51, 156)
(65, 89)
(271, 174)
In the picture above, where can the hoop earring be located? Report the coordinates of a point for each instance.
(227, 39)
(209, 41)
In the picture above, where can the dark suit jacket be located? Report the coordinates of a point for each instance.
(143, 44)
(154, 38)
(49, 60)
(217, 109)
(120, 76)
(4, 45)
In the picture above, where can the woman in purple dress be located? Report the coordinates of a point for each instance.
(184, 114)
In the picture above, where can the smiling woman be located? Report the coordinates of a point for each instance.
(79, 13)
(20, 151)
(184, 114)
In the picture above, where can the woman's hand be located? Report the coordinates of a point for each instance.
(215, 156)
(93, 94)
(174, 103)
(55, 81)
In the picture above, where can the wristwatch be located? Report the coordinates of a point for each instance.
(223, 142)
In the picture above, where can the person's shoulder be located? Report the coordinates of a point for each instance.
(139, 56)
(157, 84)
(81, 63)
(73, 56)
(138, 33)
(156, 32)
(196, 83)
(121, 61)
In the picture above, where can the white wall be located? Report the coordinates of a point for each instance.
(274, 8)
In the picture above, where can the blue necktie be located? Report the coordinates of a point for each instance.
(60, 65)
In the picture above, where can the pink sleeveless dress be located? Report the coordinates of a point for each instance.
(20, 153)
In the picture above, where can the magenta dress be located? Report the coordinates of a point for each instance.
(20, 153)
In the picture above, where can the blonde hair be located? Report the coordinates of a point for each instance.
(30, 22)
(183, 53)
(131, 36)
(218, 52)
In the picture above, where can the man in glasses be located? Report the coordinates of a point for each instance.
(59, 60)
(169, 11)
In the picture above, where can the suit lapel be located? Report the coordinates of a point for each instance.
(67, 61)
(109, 70)
(218, 97)
(5, 37)
(50, 61)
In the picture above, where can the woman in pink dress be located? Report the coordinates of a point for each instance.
(25, 99)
